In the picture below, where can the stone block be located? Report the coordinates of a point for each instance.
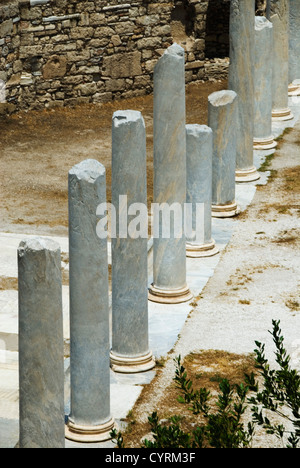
(6, 28)
(55, 67)
(82, 33)
(149, 43)
(115, 85)
(122, 65)
(88, 89)
(104, 31)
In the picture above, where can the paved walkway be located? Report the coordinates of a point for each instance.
(165, 322)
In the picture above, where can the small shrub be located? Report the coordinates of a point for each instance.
(280, 394)
(222, 417)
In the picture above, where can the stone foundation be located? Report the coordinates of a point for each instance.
(62, 53)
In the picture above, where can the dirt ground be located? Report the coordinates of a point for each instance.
(39, 148)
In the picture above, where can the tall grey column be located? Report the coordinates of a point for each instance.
(41, 345)
(222, 118)
(169, 194)
(294, 48)
(90, 419)
(130, 343)
(278, 14)
(199, 149)
(241, 80)
(263, 138)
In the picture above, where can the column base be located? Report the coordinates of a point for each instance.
(264, 143)
(225, 211)
(128, 365)
(246, 175)
(279, 115)
(204, 250)
(89, 434)
(294, 88)
(164, 296)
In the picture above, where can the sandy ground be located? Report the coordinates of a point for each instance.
(39, 148)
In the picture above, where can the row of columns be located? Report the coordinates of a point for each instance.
(264, 66)
(194, 164)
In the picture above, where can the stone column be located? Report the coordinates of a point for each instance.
(90, 419)
(199, 149)
(222, 118)
(130, 343)
(278, 14)
(169, 250)
(41, 345)
(241, 80)
(294, 48)
(263, 138)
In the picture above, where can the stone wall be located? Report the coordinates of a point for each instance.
(66, 52)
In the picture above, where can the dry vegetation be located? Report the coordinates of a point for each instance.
(7, 283)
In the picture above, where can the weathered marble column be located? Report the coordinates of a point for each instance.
(130, 343)
(199, 150)
(263, 138)
(169, 141)
(241, 80)
(222, 118)
(294, 48)
(90, 419)
(278, 14)
(41, 345)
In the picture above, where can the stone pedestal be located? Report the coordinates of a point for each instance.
(169, 140)
(263, 138)
(278, 14)
(41, 345)
(241, 80)
(199, 149)
(222, 118)
(294, 48)
(130, 343)
(90, 419)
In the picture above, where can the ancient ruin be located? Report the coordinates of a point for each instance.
(65, 53)
(85, 346)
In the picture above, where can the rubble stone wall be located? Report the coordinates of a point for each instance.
(66, 52)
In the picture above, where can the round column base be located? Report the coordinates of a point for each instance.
(294, 88)
(225, 211)
(164, 296)
(128, 365)
(204, 250)
(279, 115)
(246, 175)
(264, 143)
(89, 434)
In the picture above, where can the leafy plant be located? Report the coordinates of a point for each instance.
(223, 427)
(117, 438)
(170, 436)
(280, 394)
